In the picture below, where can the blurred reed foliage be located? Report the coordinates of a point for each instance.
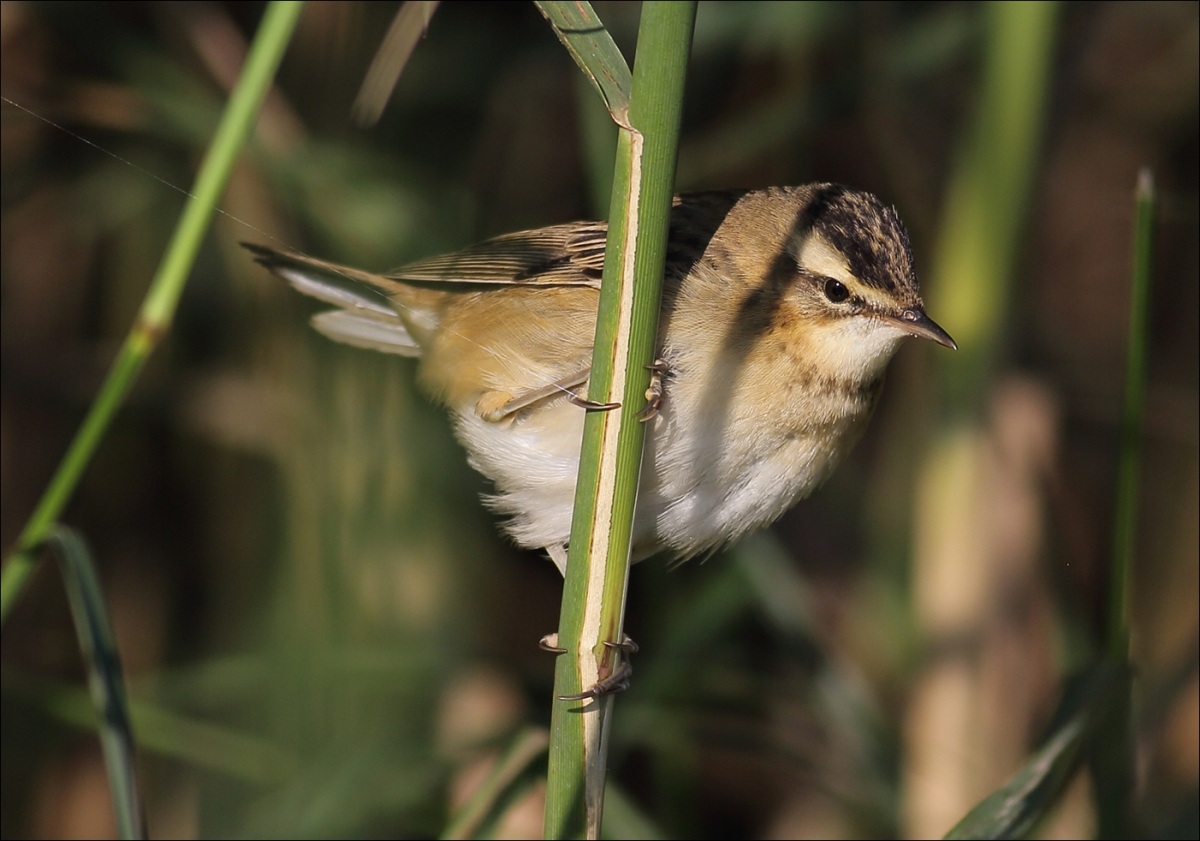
(324, 634)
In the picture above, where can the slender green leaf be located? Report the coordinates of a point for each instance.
(590, 44)
(105, 681)
(408, 27)
(526, 748)
(1014, 810)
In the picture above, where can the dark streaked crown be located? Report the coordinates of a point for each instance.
(868, 234)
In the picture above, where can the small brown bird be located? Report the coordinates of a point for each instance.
(781, 309)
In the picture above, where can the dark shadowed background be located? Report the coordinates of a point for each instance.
(325, 634)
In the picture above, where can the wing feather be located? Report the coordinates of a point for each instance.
(560, 255)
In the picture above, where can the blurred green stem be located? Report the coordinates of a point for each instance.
(1113, 757)
(984, 213)
(158, 307)
(249, 758)
(524, 751)
(983, 219)
(1125, 532)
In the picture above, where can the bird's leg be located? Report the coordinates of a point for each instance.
(496, 406)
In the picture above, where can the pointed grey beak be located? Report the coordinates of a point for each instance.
(915, 322)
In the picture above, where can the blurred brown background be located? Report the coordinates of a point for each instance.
(324, 633)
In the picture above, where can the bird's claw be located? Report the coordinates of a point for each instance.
(654, 393)
(591, 405)
(618, 681)
(550, 643)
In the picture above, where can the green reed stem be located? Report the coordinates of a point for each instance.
(610, 465)
(1125, 532)
(158, 308)
(1113, 756)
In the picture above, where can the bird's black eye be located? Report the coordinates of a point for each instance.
(835, 291)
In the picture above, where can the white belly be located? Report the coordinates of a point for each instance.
(701, 486)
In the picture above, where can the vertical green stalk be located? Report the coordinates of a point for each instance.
(984, 215)
(158, 307)
(610, 467)
(1112, 759)
(1125, 532)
